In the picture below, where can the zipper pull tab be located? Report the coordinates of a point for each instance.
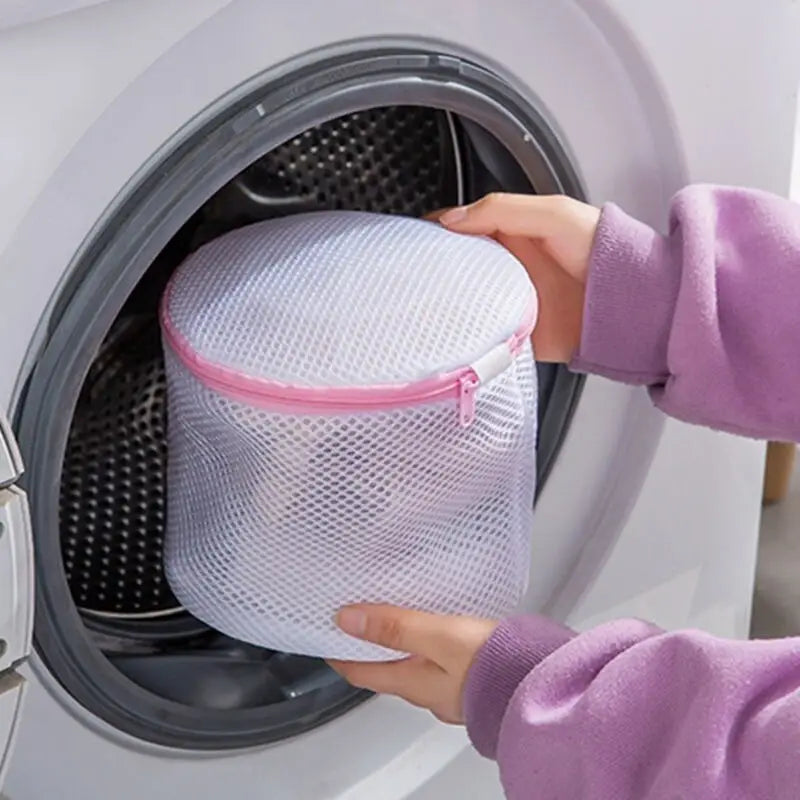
(468, 386)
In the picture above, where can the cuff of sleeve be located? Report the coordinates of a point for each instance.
(631, 295)
(517, 646)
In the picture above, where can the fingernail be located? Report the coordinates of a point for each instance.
(453, 216)
(352, 621)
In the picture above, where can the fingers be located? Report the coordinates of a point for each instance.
(416, 680)
(565, 228)
(442, 647)
(448, 641)
(429, 635)
(396, 628)
(515, 214)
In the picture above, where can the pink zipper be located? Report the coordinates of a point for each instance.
(461, 385)
(467, 390)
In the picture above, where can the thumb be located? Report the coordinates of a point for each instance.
(535, 216)
(407, 631)
(564, 227)
(435, 216)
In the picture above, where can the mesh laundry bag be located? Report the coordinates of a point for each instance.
(352, 418)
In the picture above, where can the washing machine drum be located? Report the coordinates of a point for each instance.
(351, 418)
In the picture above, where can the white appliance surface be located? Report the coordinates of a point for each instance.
(639, 517)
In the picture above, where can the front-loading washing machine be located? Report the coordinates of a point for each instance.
(136, 130)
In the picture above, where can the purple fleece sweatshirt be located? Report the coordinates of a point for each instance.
(708, 317)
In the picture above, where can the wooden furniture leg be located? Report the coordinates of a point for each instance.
(778, 472)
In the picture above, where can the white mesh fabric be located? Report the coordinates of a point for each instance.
(347, 298)
(276, 520)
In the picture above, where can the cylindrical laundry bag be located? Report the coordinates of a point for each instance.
(351, 418)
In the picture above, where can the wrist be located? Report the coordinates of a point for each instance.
(517, 646)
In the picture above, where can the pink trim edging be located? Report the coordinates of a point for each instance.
(275, 395)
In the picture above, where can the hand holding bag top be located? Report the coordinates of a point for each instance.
(352, 418)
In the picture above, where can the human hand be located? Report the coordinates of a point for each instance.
(442, 650)
(552, 237)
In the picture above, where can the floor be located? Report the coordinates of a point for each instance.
(776, 605)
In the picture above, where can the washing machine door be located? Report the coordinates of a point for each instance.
(16, 590)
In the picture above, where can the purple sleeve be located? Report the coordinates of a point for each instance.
(708, 318)
(629, 712)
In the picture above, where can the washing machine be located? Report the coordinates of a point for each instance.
(135, 130)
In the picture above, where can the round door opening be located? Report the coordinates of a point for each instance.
(397, 160)
(107, 624)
